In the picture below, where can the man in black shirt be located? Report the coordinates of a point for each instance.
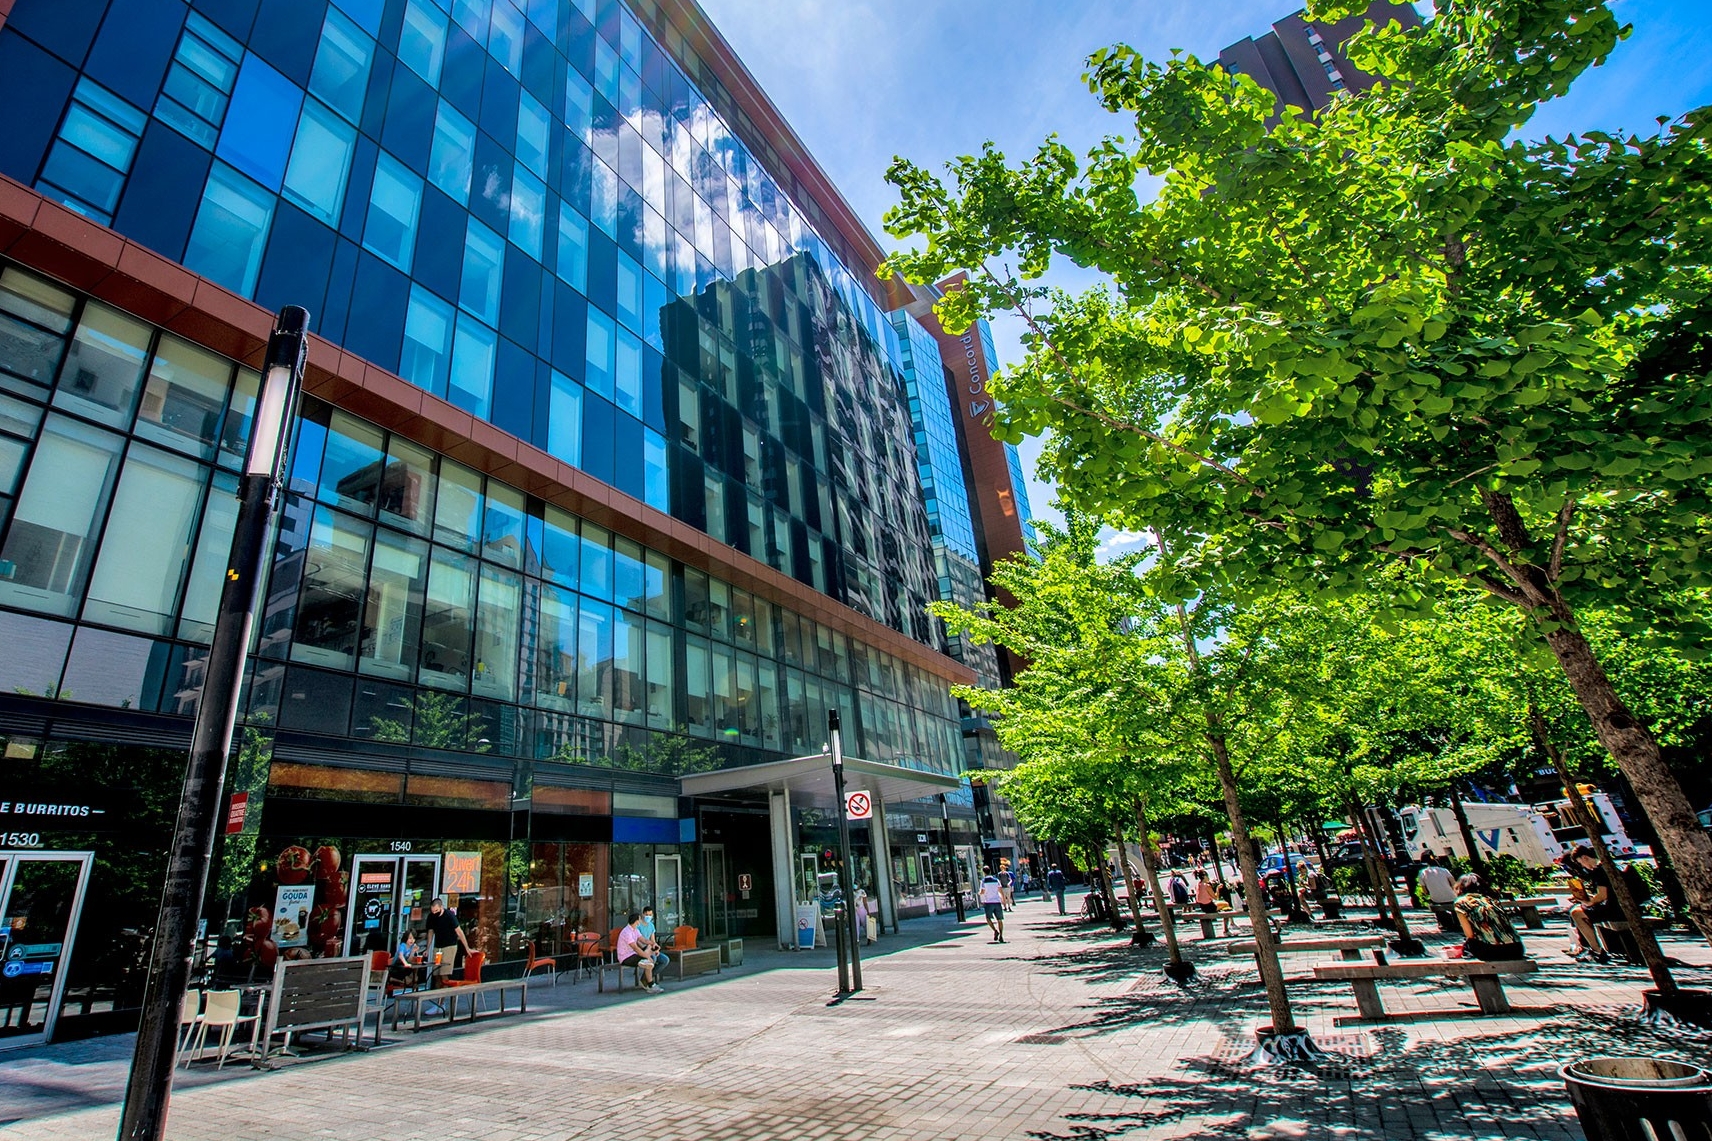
(446, 937)
(1599, 907)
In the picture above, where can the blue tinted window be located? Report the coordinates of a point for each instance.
(629, 292)
(656, 487)
(472, 366)
(606, 70)
(544, 14)
(573, 248)
(231, 229)
(453, 156)
(200, 80)
(533, 123)
(627, 373)
(341, 74)
(484, 265)
(260, 123)
(603, 199)
(505, 36)
(602, 350)
(394, 201)
(98, 139)
(472, 16)
(528, 213)
(320, 162)
(422, 40)
(565, 419)
(579, 105)
(427, 355)
(365, 12)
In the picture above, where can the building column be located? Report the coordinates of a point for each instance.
(880, 844)
(784, 865)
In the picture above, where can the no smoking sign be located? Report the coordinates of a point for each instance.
(859, 806)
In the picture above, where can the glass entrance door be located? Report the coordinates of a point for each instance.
(668, 894)
(718, 892)
(41, 897)
(389, 895)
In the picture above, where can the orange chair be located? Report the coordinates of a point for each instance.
(684, 938)
(534, 964)
(589, 951)
(472, 969)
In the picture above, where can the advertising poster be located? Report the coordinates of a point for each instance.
(585, 885)
(292, 904)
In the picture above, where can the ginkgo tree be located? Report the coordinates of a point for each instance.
(1393, 331)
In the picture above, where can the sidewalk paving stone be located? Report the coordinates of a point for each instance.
(1064, 1032)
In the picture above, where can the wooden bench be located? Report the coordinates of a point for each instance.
(447, 999)
(1349, 946)
(1483, 977)
(1614, 934)
(697, 960)
(1529, 909)
(315, 994)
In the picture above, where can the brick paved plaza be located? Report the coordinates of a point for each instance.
(1063, 1032)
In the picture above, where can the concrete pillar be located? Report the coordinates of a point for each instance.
(784, 865)
(880, 843)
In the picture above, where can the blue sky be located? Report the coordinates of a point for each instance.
(863, 80)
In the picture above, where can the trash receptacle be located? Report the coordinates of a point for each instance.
(1639, 1099)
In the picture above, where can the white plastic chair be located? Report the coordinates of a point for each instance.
(189, 1021)
(222, 1011)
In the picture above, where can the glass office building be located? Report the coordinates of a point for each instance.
(606, 475)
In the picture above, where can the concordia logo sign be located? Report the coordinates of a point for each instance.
(976, 383)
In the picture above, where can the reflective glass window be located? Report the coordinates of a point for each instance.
(231, 230)
(260, 122)
(719, 608)
(97, 140)
(351, 466)
(628, 588)
(451, 161)
(528, 213)
(656, 478)
(104, 370)
(695, 599)
(662, 679)
(767, 706)
(341, 75)
(240, 414)
(556, 650)
(572, 265)
(743, 691)
(533, 124)
(473, 355)
(407, 488)
(498, 615)
(427, 357)
(606, 71)
(628, 651)
(602, 349)
(579, 105)
(394, 200)
(594, 658)
(146, 545)
(560, 547)
(458, 507)
(448, 620)
(484, 272)
(698, 687)
(743, 617)
(565, 419)
(764, 640)
(629, 292)
(657, 585)
(392, 607)
(627, 372)
(320, 162)
(34, 318)
(714, 491)
(603, 199)
(505, 36)
(208, 566)
(502, 525)
(689, 414)
(724, 692)
(199, 82)
(329, 611)
(422, 40)
(596, 574)
(184, 396)
(471, 15)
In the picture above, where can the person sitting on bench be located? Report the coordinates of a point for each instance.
(1489, 935)
(1598, 907)
(632, 951)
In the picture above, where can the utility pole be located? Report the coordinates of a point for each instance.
(150, 1085)
(951, 857)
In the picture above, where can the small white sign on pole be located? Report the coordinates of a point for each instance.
(859, 806)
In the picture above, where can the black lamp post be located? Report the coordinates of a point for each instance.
(951, 857)
(150, 1083)
(844, 881)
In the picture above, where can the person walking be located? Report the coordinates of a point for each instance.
(1007, 885)
(1055, 884)
(992, 899)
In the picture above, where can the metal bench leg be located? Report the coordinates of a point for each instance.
(1489, 993)
(1367, 1001)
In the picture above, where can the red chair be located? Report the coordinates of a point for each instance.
(472, 970)
(534, 964)
(590, 952)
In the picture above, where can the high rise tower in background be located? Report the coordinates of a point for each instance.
(1303, 63)
(617, 471)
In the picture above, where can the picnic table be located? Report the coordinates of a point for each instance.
(1349, 946)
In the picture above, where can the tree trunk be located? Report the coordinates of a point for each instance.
(1370, 838)
(1591, 824)
(1167, 921)
(1319, 834)
(1218, 864)
(1129, 878)
(1371, 860)
(1468, 838)
(1266, 950)
(1106, 892)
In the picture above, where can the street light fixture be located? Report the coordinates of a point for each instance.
(844, 881)
(150, 1085)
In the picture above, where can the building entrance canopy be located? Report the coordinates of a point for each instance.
(808, 780)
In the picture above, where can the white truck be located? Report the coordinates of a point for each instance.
(1508, 829)
(1570, 834)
